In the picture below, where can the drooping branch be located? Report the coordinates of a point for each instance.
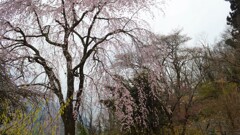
(44, 32)
(77, 22)
(54, 81)
(91, 26)
(101, 40)
(64, 15)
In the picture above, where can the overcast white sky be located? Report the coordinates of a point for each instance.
(198, 18)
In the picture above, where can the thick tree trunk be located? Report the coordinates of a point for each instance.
(68, 120)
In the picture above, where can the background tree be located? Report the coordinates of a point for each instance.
(184, 72)
(148, 115)
(167, 78)
(234, 20)
(231, 38)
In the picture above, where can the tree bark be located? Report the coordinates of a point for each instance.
(68, 120)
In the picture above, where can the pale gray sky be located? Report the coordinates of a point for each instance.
(198, 18)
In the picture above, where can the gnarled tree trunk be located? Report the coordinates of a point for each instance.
(68, 120)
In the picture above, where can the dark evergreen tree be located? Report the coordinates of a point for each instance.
(231, 46)
(234, 21)
(234, 17)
